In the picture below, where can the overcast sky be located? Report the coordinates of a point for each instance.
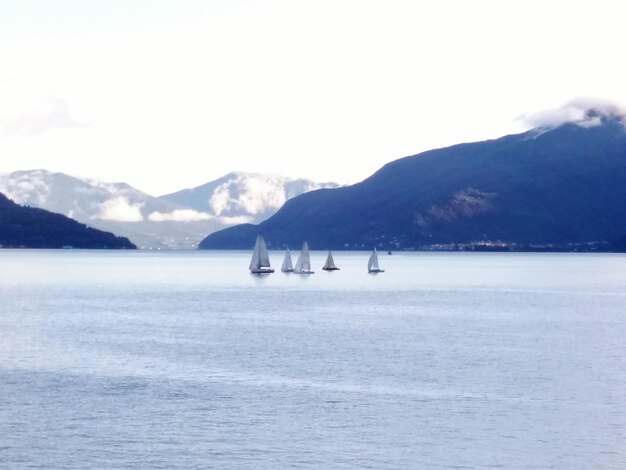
(166, 95)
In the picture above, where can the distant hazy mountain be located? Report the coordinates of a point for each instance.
(244, 197)
(148, 221)
(29, 227)
(554, 189)
(178, 220)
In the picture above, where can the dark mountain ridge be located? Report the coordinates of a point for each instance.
(554, 189)
(29, 227)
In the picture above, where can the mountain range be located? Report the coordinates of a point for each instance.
(556, 188)
(177, 220)
(37, 228)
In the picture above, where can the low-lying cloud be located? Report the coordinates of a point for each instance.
(236, 220)
(30, 188)
(179, 215)
(119, 209)
(586, 112)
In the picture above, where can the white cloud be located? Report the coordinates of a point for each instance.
(586, 112)
(253, 194)
(383, 81)
(242, 219)
(220, 200)
(179, 215)
(29, 188)
(262, 193)
(120, 210)
(26, 111)
(112, 188)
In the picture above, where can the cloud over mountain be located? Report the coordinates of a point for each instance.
(584, 111)
(115, 207)
(558, 189)
(153, 222)
(120, 210)
(244, 197)
(253, 194)
(179, 215)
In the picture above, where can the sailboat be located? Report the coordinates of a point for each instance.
(372, 264)
(329, 265)
(260, 263)
(287, 267)
(303, 263)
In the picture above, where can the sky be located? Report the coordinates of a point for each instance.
(166, 95)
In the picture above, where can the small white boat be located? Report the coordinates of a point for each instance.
(329, 265)
(260, 263)
(303, 263)
(372, 264)
(287, 266)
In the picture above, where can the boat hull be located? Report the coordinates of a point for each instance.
(262, 271)
(374, 271)
(330, 269)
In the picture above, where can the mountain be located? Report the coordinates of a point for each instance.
(239, 196)
(178, 220)
(560, 188)
(28, 227)
(117, 207)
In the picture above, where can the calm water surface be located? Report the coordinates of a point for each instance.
(184, 360)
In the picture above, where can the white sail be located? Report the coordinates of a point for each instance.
(260, 261)
(303, 263)
(254, 262)
(373, 261)
(330, 263)
(287, 266)
(264, 256)
(372, 264)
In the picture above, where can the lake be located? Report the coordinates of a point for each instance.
(184, 360)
